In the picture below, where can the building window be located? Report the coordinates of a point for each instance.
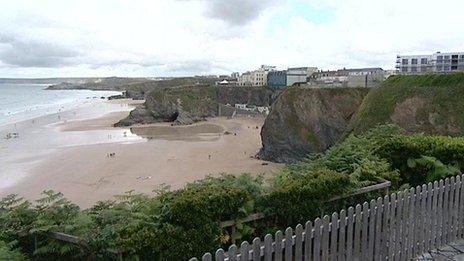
(454, 68)
(439, 68)
(414, 69)
(446, 67)
(404, 69)
(404, 61)
(423, 60)
(447, 57)
(423, 68)
(413, 61)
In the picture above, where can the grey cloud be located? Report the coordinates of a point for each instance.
(237, 12)
(27, 53)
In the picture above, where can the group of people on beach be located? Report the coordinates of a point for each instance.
(110, 155)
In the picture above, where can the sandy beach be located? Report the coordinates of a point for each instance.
(71, 156)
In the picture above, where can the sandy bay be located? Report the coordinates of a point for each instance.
(68, 152)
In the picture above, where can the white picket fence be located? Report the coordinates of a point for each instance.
(399, 226)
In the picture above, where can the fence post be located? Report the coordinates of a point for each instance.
(392, 227)
(398, 224)
(244, 251)
(325, 238)
(378, 229)
(342, 236)
(232, 253)
(446, 211)
(350, 233)
(456, 219)
(371, 229)
(219, 255)
(333, 237)
(278, 245)
(256, 249)
(288, 244)
(461, 209)
(411, 224)
(308, 240)
(268, 248)
(364, 232)
(298, 242)
(357, 233)
(317, 239)
(385, 227)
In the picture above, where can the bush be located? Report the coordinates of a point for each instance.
(301, 198)
(192, 214)
(406, 153)
(6, 253)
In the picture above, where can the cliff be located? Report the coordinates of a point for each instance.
(188, 104)
(135, 88)
(431, 104)
(304, 120)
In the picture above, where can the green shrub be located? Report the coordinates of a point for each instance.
(6, 253)
(192, 214)
(399, 150)
(301, 198)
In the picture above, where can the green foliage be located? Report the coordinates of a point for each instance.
(434, 169)
(346, 166)
(195, 212)
(6, 253)
(310, 191)
(422, 158)
(442, 95)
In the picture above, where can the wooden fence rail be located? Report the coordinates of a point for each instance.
(399, 226)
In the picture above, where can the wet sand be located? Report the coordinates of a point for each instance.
(162, 154)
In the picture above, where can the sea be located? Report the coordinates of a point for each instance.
(20, 102)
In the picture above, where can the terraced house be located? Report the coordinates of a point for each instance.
(437, 62)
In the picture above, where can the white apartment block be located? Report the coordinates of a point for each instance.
(437, 62)
(256, 77)
(259, 78)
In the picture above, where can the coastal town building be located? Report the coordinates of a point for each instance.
(359, 77)
(244, 79)
(299, 74)
(434, 63)
(257, 77)
(277, 79)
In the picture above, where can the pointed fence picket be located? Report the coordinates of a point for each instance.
(399, 226)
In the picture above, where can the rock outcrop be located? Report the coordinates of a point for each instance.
(431, 104)
(189, 104)
(304, 120)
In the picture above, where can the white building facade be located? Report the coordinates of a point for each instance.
(256, 77)
(299, 74)
(436, 63)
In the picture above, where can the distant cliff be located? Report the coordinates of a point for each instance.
(188, 104)
(135, 88)
(432, 104)
(304, 120)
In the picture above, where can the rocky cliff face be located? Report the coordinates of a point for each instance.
(189, 104)
(303, 121)
(431, 104)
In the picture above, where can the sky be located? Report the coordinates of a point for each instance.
(152, 38)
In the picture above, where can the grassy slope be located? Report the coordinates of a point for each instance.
(445, 92)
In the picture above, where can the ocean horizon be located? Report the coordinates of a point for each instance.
(20, 102)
